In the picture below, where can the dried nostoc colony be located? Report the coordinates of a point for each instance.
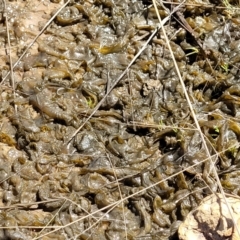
(142, 135)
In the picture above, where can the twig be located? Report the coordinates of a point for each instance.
(9, 52)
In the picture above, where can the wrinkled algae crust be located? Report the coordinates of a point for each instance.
(141, 136)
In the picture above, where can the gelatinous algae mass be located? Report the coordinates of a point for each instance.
(142, 135)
